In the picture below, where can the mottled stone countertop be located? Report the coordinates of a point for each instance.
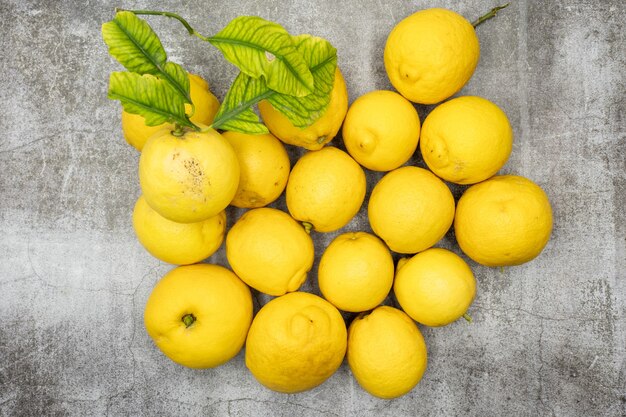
(548, 337)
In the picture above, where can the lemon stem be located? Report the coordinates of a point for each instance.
(188, 319)
(179, 130)
(487, 16)
(468, 318)
(186, 24)
(307, 227)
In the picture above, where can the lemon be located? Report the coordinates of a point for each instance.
(356, 272)
(506, 220)
(326, 189)
(434, 287)
(466, 140)
(410, 209)
(381, 130)
(322, 131)
(177, 243)
(206, 104)
(190, 178)
(199, 315)
(295, 342)
(431, 54)
(264, 168)
(135, 130)
(269, 251)
(386, 352)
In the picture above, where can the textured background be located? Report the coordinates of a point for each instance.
(548, 338)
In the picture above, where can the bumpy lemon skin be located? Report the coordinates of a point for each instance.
(322, 131)
(434, 287)
(205, 107)
(221, 305)
(177, 243)
(269, 251)
(410, 209)
(190, 178)
(466, 140)
(431, 54)
(386, 352)
(356, 272)
(381, 130)
(326, 188)
(295, 343)
(503, 221)
(264, 168)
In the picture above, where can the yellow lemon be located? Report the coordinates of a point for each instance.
(177, 243)
(410, 209)
(326, 189)
(434, 287)
(199, 315)
(269, 251)
(322, 131)
(506, 220)
(386, 352)
(381, 130)
(206, 104)
(466, 140)
(431, 54)
(295, 342)
(356, 272)
(264, 166)
(190, 178)
(136, 132)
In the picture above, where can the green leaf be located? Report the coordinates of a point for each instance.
(321, 57)
(260, 48)
(236, 112)
(148, 96)
(137, 47)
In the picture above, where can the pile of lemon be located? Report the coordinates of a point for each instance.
(200, 315)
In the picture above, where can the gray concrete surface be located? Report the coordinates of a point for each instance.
(548, 338)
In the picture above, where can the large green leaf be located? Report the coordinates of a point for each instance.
(260, 48)
(137, 47)
(148, 96)
(236, 112)
(321, 57)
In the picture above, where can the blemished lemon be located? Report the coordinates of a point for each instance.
(434, 287)
(322, 131)
(199, 315)
(264, 168)
(269, 251)
(386, 352)
(506, 220)
(295, 342)
(466, 140)
(177, 243)
(381, 130)
(326, 189)
(356, 272)
(410, 209)
(431, 54)
(190, 178)
(206, 105)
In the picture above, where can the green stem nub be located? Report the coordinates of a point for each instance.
(179, 130)
(188, 319)
(307, 227)
(468, 318)
(492, 13)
